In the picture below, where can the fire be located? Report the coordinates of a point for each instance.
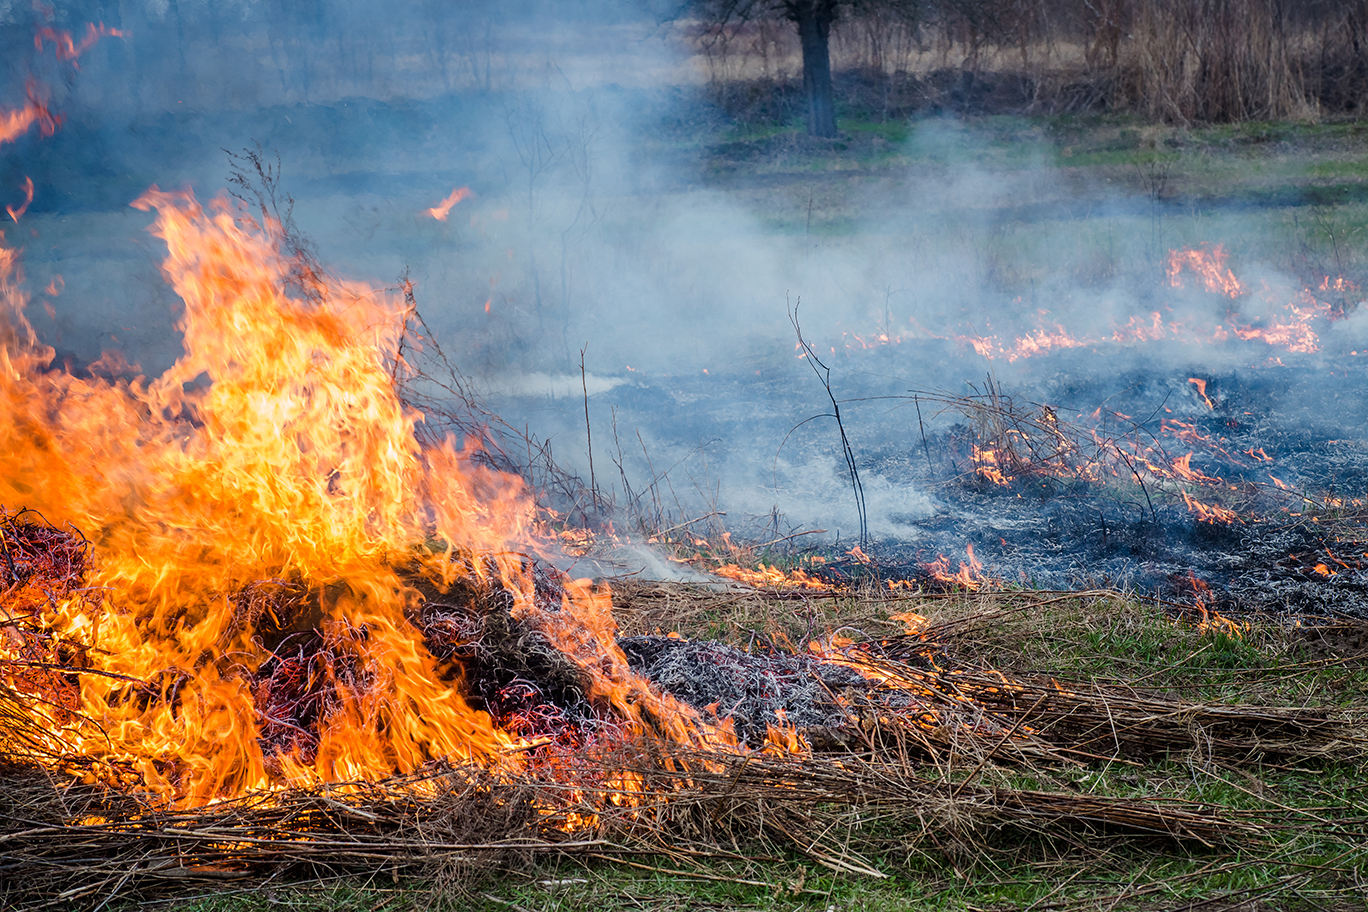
(1208, 618)
(1209, 513)
(986, 465)
(294, 469)
(1201, 391)
(28, 198)
(443, 209)
(1288, 323)
(772, 577)
(1036, 342)
(969, 577)
(1209, 264)
(15, 123)
(1182, 467)
(69, 50)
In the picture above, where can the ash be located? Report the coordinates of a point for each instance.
(755, 690)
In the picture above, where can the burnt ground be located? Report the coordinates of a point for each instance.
(1281, 445)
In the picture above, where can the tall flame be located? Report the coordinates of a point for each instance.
(276, 449)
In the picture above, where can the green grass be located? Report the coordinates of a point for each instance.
(1064, 208)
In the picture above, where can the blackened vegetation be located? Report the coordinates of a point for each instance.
(40, 565)
(508, 669)
(753, 689)
(501, 665)
(1119, 480)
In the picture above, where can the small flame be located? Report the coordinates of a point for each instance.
(1209, 513)
(969, 577)
(66, 48)
(986, 465)
(772, 577)
(443, 209)
(16, 214)
(1201, 391)
(1209, 263)
(17, 122)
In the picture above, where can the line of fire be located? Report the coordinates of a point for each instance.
(293, 585)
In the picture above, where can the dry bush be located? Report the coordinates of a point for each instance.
(1174, 60)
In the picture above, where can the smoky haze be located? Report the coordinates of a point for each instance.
(598, 225)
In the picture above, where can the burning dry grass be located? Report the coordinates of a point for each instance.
(939, 748)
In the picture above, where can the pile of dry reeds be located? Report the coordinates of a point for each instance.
(64, 844)
(916, 755)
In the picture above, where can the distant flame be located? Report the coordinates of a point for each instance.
(443, 209)
(1209, 264)
(1288, 325)
(66, 48)
(28, 198)
(16, 123)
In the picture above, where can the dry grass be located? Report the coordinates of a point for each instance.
(961, 745)
(1173, 60)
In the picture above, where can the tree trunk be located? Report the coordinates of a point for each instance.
(814, 30)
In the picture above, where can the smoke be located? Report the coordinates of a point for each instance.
(597, 222)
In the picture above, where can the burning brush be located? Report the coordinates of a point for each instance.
(268, 624)
(283, 586)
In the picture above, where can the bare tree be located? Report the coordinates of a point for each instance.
(813, 18)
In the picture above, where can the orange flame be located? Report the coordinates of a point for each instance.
(1209, 513)
(1209, 263)
(28, 198)
(1201, 391)
(16, 123)
(443, 209)
(1289, 325)
(297, 463)
(969, 577)
(16, 214)
(67, 49)
(772, 577)
(986, 465)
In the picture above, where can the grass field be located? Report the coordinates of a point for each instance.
(1295, 196)
(1304, 819)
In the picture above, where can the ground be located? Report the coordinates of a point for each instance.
(1306, 853)
(1159, 186)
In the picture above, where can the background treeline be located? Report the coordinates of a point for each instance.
(1173, 60)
